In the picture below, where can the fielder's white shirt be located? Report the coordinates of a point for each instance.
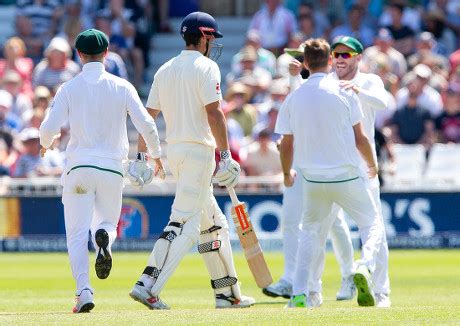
(181, 89)
(96, 104)
(321, 117)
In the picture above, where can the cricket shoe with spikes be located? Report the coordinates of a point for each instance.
(279, 289)
(84, 301)
(362, 280)
(347, 289)
(314, 299)
(103, 263)
(142, 294)
(223, 301)
(382, 300)
(297, 301)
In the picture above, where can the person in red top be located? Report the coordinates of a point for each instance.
(14, 52)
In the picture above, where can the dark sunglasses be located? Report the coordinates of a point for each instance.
(345, 55)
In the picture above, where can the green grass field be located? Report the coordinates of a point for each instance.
(37, 289)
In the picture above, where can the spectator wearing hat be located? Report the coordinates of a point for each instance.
(265, 58)
(383, 43)
(14, 52)
(8, 120)
(42, 98)
(21, 103)
(354, 27)
(30, 163)
(275, 25)
(448, 123)
(417, 87)
(238, 107)
(428, 52)
(435, 22)
(403, 35)
(57, 67)
(263, 156)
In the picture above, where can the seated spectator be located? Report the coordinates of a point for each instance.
(403, 35)
(285, 59)
(72, 27)
(42, 98)
(354, 27)
(275, 25)
(383, 43)
(434, 22)
(417, 86)
(450, 10)
(30, 163)
(380, 65)
(14, 52)
(33, 44)
(454, 60)
(56, 68)
(412, 124)
(8, 120)
(448, 123)
(265, 58)
(268, 123)
(238, 108)
(21, 104)
(411, 16)
(279, 89)
(426, 52)
(4, 169)
(263, 157)
(311, 18)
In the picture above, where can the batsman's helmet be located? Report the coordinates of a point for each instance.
(200, 23)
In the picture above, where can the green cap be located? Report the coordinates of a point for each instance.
(349, 41)
(295, 52)
(91, 41)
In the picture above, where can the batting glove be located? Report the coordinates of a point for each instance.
(229, 170)
(139, 171)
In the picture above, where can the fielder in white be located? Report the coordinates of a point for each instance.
(327, 135)
(95, 104)
(186, 90)
(373, 97)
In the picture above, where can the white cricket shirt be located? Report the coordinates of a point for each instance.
(96, 104)
(181, 89)
(321, 117)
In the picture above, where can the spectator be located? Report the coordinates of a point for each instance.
(56, 68)
(307, 28)
(263, 157)
(450, 10)
(275, 25)
(4, 169)
(448, 123)
(265, 58)
(21, 104)
(435, 23)
(30, 163)
(14, 52)
(239, 109)
(412, 124)
(354, 27)
(33, 44)
(411, 17)
(283, 60)
(279, 89)
(454, 60)
(42, 98)
(383, 43)
(385, 156)
(427, 52)
(403, 35)
(310, 18)
(417, 86)
(72, 28)
(8, 121)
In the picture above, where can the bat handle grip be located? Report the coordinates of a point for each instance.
(231, 192)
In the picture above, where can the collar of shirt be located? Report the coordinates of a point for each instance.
(317, 75)
(191, 52)
(93, 70)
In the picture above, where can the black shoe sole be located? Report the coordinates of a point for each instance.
(274, 295)
(103, 263)
(87, 307)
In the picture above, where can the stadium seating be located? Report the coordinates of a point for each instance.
(409, 165)
(443, 167)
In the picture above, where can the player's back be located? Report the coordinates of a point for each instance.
(181, 89)
(322, 118)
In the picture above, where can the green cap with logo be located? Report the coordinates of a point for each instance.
(349, 41)
(91, 41)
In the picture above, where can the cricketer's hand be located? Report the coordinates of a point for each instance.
(228, 173)
(140, 172)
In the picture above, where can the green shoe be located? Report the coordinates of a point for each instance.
(362, 280)
(297, 301)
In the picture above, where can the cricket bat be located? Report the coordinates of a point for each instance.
(249, 242)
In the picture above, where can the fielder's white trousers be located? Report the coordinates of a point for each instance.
(92, 200)
(290, 224)
(319, 198)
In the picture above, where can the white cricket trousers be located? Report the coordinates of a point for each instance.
(357, 201)
(290, 225)
(92, 200)
(192, 165)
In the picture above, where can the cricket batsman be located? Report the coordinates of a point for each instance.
(186, 89)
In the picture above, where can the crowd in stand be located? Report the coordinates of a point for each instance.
(413, 48)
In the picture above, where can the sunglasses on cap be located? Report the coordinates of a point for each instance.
(344, 55)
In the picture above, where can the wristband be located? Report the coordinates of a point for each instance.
(142, 156)
(225, 155)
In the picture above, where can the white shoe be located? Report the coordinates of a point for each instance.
(362, 281)
(142, 294)
(223, 301)
(314, 299)
(382, 300)
(84, 301)
(279, 289)
(347, 289)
